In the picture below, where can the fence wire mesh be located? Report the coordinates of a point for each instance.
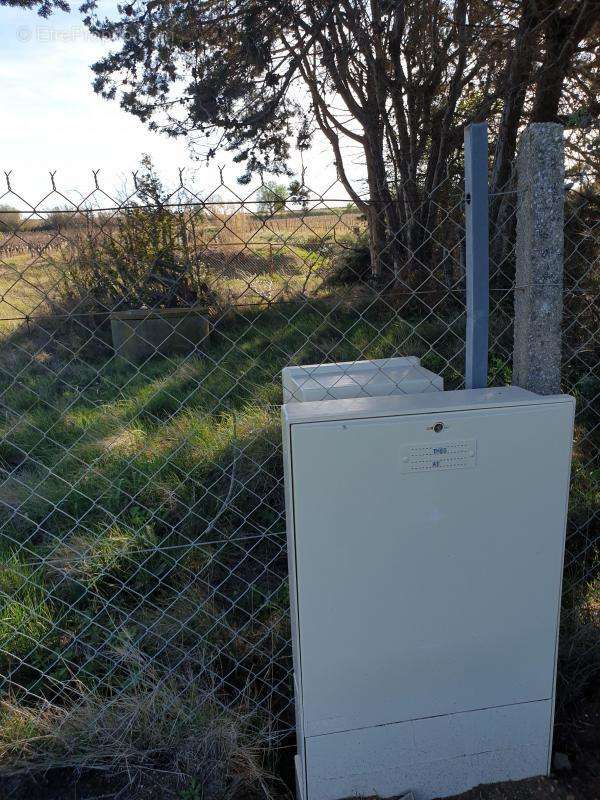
(579, 656)
(143, 572)
(580, 645)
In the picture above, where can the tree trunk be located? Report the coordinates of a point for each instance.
(518, 79)
(377, 240)
(563, 34)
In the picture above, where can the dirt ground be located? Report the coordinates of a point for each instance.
(579, 738)
(554, 788)
(577, 784)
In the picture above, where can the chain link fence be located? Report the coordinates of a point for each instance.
(579, 666)
(143, 573)
(579, 655)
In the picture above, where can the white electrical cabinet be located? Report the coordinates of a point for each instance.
(426, 539)
(374, 378)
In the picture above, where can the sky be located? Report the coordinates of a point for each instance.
(51, 119)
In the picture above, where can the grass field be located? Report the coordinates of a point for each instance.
(256, 272)
(142, 538)
(112, 481)
(24, 286)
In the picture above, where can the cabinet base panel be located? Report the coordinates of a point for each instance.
(433, 757)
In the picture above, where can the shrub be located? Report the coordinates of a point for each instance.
(63, 219)
(352, 263)
(141, 258)
(10, 219)
(578, 661)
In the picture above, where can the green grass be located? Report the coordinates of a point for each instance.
(142, 565)
(114, 532)
(25, 615)
(24, 284)
(112, 475)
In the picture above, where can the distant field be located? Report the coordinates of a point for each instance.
(25, 283)
(27, 241)
(247, 258)
(246, 228)
(236, 229)
(245, 263)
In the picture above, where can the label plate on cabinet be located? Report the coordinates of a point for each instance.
(461, 454)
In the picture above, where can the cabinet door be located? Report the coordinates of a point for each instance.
(426, 585)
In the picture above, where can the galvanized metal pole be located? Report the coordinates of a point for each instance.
(476, 254)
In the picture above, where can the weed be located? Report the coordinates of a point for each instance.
(193, 791)
(160, 721)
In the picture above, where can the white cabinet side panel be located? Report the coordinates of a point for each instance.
(291, 552)
(430, 592)
(300, 759)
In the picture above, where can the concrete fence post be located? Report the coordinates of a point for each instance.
(539, 256)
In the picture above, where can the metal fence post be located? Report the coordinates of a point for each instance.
(539, 268)
(477, 254)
